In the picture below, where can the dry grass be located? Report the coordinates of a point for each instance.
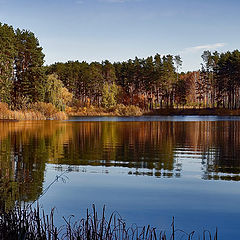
(47, 109)
(59, 116)
(37, 111)
(119, 110)
(87, 111)
(131, 110)
(26, 115)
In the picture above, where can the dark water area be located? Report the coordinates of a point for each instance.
(149, 169)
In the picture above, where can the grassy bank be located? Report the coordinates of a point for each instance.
(121, 110)
(37, 111)
(46, 111)
(92, 111)
(29, 224)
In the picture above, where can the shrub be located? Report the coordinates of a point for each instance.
(5, 113)
(21, 103)
(60, 116)
(47, 109)
(122, 110)
(3, 107)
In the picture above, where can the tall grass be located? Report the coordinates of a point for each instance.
(36, 111)
(87, 111)
(118, 110)
(29, 224)
(131, 110)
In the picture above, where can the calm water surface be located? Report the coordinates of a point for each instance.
(148, 169)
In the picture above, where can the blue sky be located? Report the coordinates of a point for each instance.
(95, 30)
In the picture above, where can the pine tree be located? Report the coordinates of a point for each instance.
(30, 76)
(7, 53)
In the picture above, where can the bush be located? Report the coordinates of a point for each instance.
(4, 111)
(3, 107)
(87, 111)
(47, 109)
(119, 110)
(122, 110)
(59, 116)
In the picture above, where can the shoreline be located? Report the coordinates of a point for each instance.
(166, 112)
(194, 112)
(155, 112)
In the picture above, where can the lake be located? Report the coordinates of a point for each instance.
(149, 169)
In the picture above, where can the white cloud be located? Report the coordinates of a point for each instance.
(203, 47)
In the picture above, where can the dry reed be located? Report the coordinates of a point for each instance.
(29, 224)
(92, 111)
(37, 111)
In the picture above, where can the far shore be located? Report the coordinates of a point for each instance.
(155, 112)
(194, 111)
(163, 112)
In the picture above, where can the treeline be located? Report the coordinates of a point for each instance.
(219, 82)
(143, 82)
(154, 82)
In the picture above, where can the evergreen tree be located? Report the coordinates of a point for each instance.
(7, 54)
(30, 76)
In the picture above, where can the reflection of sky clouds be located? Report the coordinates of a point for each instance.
(196, 204)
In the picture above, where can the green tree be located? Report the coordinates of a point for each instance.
(7, 54)
(178, 63)
(54, 91)
(108, 72)
(30, 76)
(95, 82)
(181, 92)
(109, 95)
(169, 79)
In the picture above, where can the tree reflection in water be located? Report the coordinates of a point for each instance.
(146, 148)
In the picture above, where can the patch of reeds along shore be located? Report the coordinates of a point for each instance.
(119, 110)
(29, 224)
(36, 111)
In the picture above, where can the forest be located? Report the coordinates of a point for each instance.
(130, 87)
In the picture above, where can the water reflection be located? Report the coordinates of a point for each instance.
(153, 148)
(25, 147)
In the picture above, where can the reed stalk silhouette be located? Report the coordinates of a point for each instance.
(28, 223)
